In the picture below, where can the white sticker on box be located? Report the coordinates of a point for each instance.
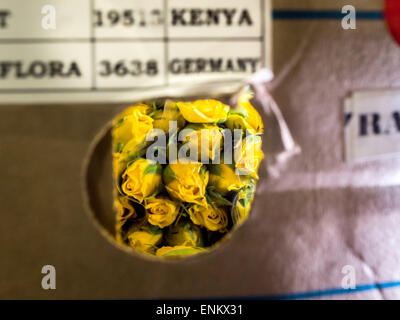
(372, 128)
(214, 61)
(118, 50)
(65, 67)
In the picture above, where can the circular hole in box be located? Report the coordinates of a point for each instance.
(98, 194)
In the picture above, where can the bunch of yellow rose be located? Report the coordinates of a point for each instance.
(181, 208)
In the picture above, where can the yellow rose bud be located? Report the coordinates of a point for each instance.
(132, 150)
(206, 139)
(204, 111)
(224, 179)
(169, 113)
(212, 217)
(186, 182)
(118, 166)
(184, 233)
(125, 212)
(250, 156)
(145, 239)
(244, 116)
(161, 211)
(178, 251)
(125, 209)
(133, 124)
(141, 107)
(142, 179)
(242, 205)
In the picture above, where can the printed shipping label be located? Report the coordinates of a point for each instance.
(372, 125)
(115, 50)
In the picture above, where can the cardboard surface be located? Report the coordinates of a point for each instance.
(319, 215)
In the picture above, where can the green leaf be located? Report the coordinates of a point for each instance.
(169, 175)
(119, 122)
(219, 199)
(152, 196)
(240, 111)
(203, 171)
(249, 195)
(178, 218)
(153, 113)
(182, 252)
(132, 159)
(191, 233)
(244, 202)
(154, 229)
(185, 212)
(215, 169)
(153, 168)
(120, 146)
(196, 126)
(252, 138)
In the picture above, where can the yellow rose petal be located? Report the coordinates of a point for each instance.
(178, 251)
(250, 156)
(144, 240)
(170, 113)
(142, 179)
(184, 233)
(244, 116)
(162, 211)
(186, 182)
(213, 219)
(224, 178)
(204, 111)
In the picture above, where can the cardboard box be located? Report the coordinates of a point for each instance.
(318, 216)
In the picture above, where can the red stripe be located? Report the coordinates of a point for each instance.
(392, 12)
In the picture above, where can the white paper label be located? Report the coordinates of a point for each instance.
(113, 50)
(372, 125)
